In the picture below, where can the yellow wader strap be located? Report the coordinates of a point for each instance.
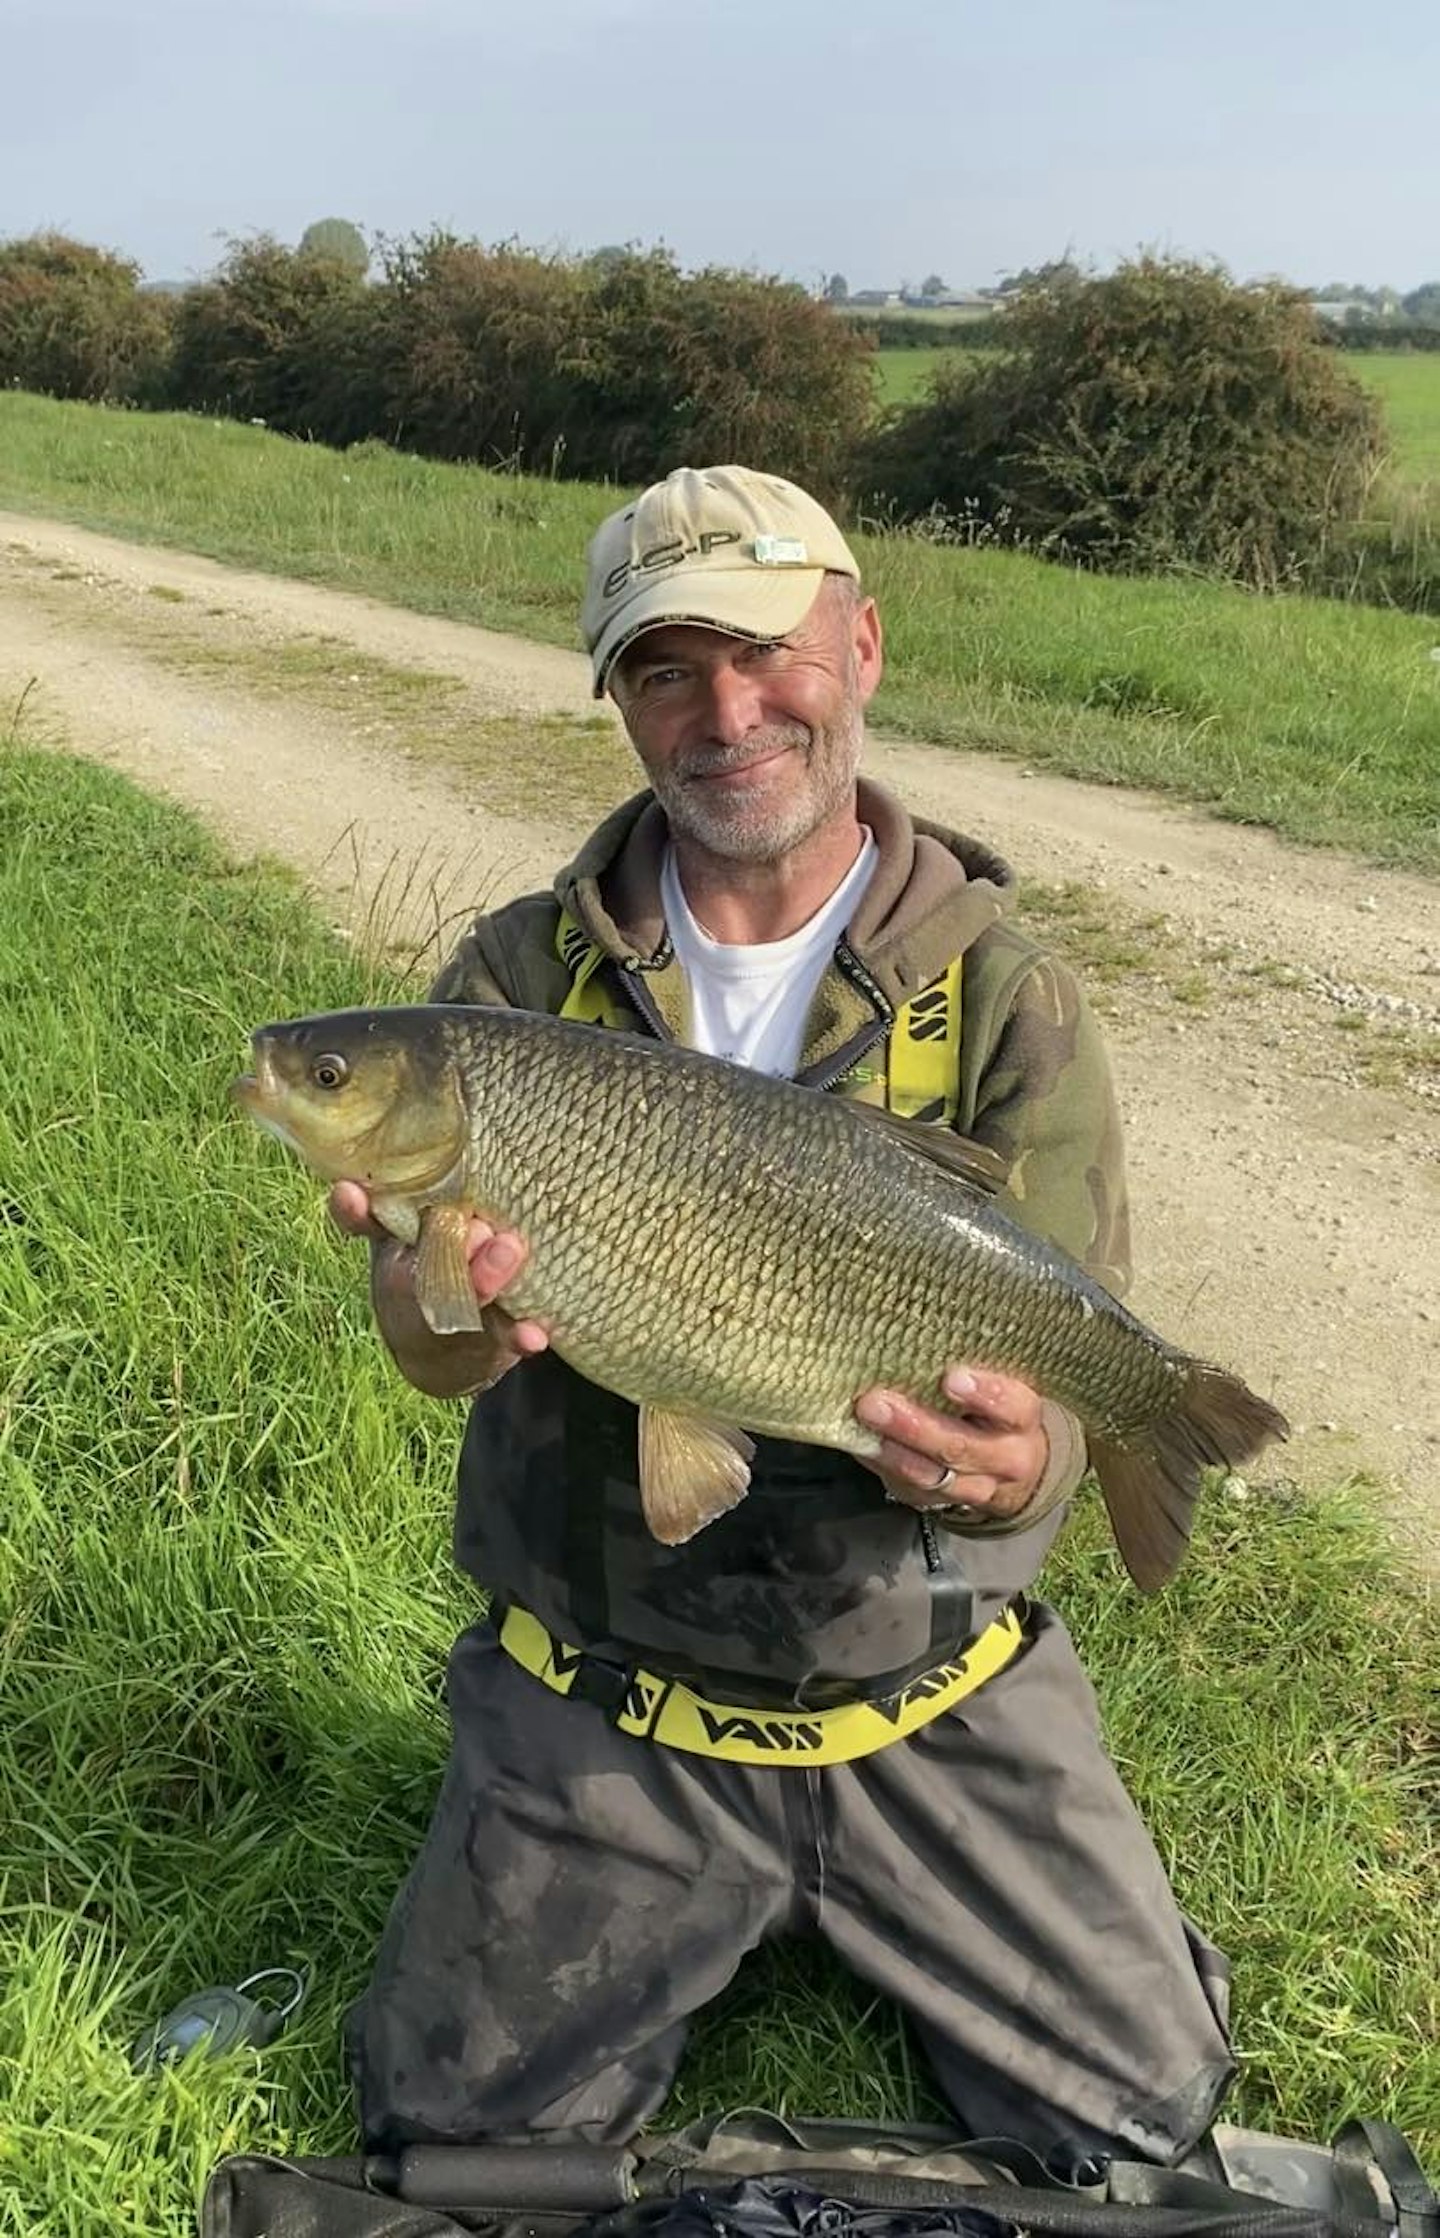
(922, 1055)
(588, 1000)
(661, 1709)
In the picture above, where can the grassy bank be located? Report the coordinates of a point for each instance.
(1318, 718)
(226, 1596)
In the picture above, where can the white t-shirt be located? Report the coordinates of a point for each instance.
(750, 1003)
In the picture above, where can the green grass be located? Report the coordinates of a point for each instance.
(226, 1597)
(1317, 717)
(901, 376)
(1408, 383)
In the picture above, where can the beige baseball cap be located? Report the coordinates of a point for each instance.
(721, 546)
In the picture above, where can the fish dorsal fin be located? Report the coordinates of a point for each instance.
(940, 1147)
(443, 1289)
(691, 1470)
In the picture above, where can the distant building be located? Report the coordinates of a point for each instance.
(952, 299)
(1340, 308)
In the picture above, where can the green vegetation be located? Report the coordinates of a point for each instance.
(1319, 718)
(1407, 383)
(903, 376)
(617, 365)
(73, 322)
(1161, 420)
(337, 238)
(226, 1597)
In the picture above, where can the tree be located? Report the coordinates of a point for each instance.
(1159, 419)
(74, 322)
(1060, 273)
(339, 240)
(1423, 303)
(933, 286)
(837, 288)
(248, 342)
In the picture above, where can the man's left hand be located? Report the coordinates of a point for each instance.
(990, 1455)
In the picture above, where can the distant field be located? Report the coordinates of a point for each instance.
(914, 316)
(1408, 383)
(901, 374)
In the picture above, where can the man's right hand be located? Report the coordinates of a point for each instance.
(445, 1367)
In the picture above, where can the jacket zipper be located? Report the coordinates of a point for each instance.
(640, 994)
(850, 967)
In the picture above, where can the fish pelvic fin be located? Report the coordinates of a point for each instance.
(692, 1469)
(443, 1289)
(1151, 1488)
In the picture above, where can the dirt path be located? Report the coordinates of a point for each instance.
(1287, 1205)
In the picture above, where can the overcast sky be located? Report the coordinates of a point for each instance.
(885, 139)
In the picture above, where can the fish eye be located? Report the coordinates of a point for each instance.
(329, 1071)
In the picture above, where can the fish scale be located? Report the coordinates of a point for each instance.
(735, 1254)
(767, 1208)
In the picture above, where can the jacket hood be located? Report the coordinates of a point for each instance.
(933, 892)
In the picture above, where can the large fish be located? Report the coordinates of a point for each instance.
(733, 1253)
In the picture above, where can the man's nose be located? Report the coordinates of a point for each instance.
(734, 710)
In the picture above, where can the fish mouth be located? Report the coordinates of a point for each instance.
(259, 1089)
(259, 1093)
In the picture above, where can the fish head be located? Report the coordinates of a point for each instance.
(374, 1096)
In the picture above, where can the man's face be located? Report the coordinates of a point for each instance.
(750, 748)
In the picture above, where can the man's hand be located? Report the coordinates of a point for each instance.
(446, 1367)
(990, 1456)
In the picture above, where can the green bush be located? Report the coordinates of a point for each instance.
(611, 368)
(895, 330)
(463, 353)
(676, 368)
(1382, 334)
(245, 341)
(1160, 419)
(74, 322)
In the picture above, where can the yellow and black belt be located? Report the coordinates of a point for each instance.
(660, 1709)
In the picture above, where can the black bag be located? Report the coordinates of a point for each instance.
(755, 2176)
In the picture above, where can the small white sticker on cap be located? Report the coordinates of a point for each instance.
(780, 551)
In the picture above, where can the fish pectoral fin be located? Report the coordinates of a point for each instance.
(956, 1155)
(443, 1289)
(691, 1470)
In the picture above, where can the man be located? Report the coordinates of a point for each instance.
(586, 1886)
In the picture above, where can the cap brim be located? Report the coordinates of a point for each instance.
(753, 603)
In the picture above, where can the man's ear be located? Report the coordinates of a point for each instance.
(868, 641)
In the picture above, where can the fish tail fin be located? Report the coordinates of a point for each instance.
(1151, 1487)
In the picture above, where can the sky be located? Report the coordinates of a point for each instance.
(884, 139)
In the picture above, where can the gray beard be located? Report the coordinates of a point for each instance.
(741, 833)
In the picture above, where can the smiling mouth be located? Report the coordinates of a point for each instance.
(734, 771)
